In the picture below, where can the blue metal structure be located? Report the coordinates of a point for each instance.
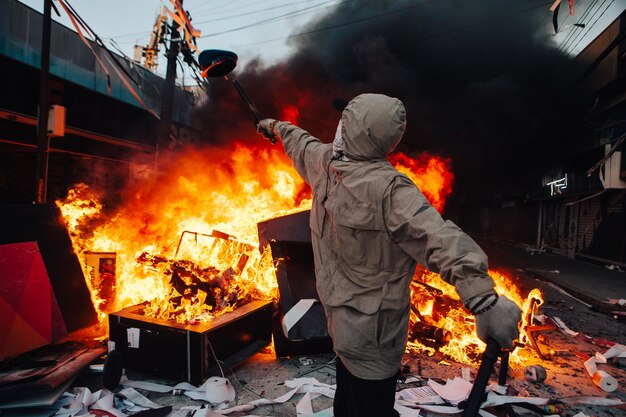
(72, 60)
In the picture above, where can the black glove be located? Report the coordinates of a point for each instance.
(499, 322)
(266, 128)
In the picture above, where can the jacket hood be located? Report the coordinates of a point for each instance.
(372, 126)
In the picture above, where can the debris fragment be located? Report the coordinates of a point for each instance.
(604, 381)
(535, 373)
(497, 388)
(306, 361)
(219, 390)
(560, 352)
(82, 400)
(551, 408)
(599, 377)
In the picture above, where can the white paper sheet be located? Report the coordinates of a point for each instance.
(600, 378)
(136, 398)
(132, 335)
(441, 409)
(295, 313)
(154, 387)
(495, 399)
(590, 365)
(304, 406)
(419, 395)
(298, 385)
(454, 391)
(215, 390)
(616, 351)
(107, 403)
(406, 411)
(85, 400)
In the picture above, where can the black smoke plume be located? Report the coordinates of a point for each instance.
(483, 82)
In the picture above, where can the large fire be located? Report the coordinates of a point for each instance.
(186, 244)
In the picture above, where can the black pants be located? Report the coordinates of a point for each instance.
(356, 397)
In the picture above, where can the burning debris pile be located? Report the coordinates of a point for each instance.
(174, 218)
(439, 322)
(209, 272)
(196, 294)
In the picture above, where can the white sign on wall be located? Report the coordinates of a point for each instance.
(558, 186)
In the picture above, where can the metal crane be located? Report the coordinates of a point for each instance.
(148, 55)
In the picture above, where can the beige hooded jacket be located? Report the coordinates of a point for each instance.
(370, 227)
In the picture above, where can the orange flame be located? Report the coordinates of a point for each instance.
(464, 346)
(201, 191)
(430, 173)
(197, 220)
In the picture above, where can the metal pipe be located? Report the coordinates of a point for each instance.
(30, 120)
(490, 356)
(257, 116)
(56, 150)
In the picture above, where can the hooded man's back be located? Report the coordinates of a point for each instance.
(370, 226)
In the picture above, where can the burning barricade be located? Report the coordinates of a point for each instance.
(197, 284)
(172, 261)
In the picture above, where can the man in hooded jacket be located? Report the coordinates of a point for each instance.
(370, 226)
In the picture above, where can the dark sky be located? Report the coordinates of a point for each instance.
(482, 81)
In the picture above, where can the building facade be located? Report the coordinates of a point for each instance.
(110, 136)
(582, 209)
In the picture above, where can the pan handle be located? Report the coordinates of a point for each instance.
(257, 116)
(489, 359)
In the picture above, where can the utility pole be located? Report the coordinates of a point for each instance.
(168, 86)
(43, 140)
